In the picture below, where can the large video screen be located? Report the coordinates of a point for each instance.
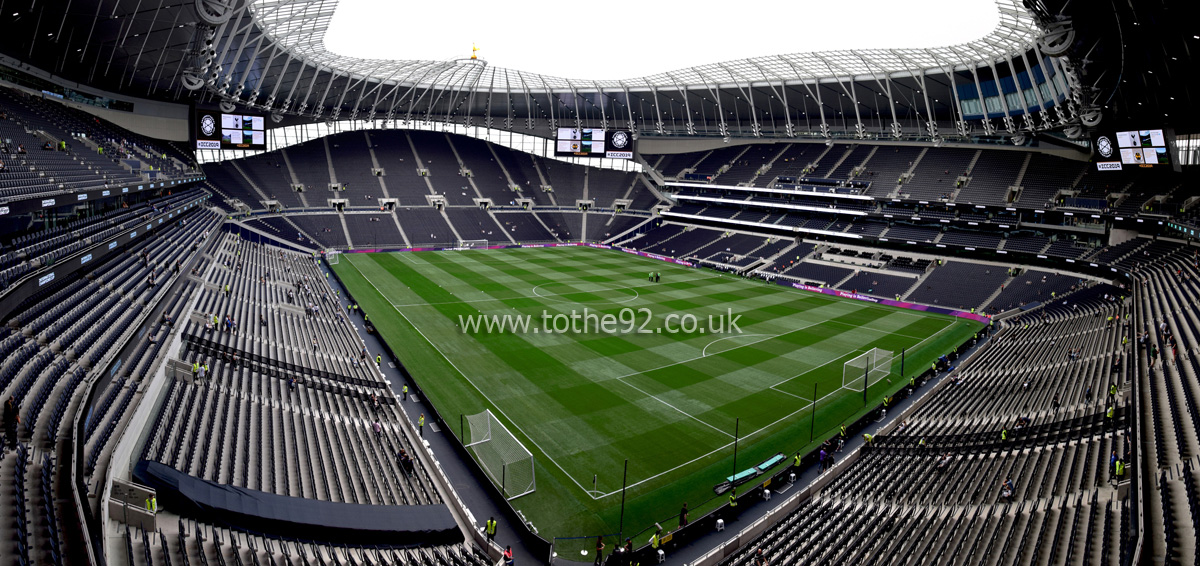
(218, 130)
(594, 142)
(1131, 148)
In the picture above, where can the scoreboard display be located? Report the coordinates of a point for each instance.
(1132, 148)
(218, 130)
(593, 142)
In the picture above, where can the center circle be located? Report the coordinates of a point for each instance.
(585, 292)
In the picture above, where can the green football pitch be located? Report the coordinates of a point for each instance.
(584, 401)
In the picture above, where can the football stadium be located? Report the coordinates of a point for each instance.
(353, 282)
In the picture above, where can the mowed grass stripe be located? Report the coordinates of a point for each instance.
(552, 377)
(587, 411)
(527, 380)
(685, 398)
(536, 403)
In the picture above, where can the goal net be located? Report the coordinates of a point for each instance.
(870, 366)
(470, 244)
(331, 257)
(502, 456)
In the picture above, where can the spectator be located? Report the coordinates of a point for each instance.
(1007, 490)
(11, 419)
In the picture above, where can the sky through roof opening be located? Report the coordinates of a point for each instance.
(589, 41)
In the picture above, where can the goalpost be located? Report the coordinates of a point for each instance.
(471, 244)
(872, 366)
(331, 257)
(502, 456)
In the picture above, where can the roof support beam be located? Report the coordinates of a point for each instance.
(1062, 97)
(988, 128)
(1026, 118)
(886, 86)
(781, 94)
(860, 131)
(1009, 123)
(1043, 104)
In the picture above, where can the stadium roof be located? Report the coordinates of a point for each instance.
(1049, 65)
(301, 26)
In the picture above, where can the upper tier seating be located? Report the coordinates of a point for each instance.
(933, 178)
(746, 166)
(187, 542)
(852, 155)
(445, 173)
(350, 157)
(712, 163)
(606, 185)
(1045, 176)
(884, 168)
(349, 162)
(672, 165)
(485, 169)
(791, 162)
(395, 157)
(30, 168)
(269, 173)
